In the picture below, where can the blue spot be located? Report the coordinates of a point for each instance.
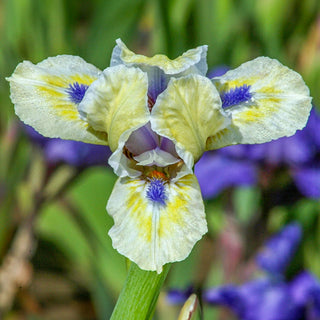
(156, 191)
(235, 96)
(76, 92)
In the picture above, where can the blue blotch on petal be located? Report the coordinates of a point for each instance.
(156, 191)
(235, 96)
(77, 91)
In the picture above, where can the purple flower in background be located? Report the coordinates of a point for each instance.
(260, 299)
(35, 137)
(307, 175)
(218, 71)
(241, 165)
(313, 127)
(176, 296)
(279, 250)
(307, 180)
(78, 154)
(305, 289)
(270, 297)
(216, 173)
(227, 296)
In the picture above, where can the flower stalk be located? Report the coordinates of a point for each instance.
(139, 295)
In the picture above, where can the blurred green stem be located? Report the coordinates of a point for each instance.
(139, 295)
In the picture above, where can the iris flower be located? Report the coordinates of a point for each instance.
(158, 116)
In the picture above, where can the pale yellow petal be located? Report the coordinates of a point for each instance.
(41, 95)
(117, 103)
(153, 234)
(192, 61)
(188, 112)
(280, 103)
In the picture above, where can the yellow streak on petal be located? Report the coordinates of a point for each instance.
(138, 210)
(69, 114)
(55, 88)
(175, 213)
(269, 106)
(270, 90)
(228, 85)
(64, 81)
(83, 79)
(51, 92)
(218, 136)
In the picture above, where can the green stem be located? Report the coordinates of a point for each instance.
(139, 295)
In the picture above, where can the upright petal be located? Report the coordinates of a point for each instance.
(156, 222)
(117, 103)
(188, 112)
(192, 61)
(266, 101)
(46, 96)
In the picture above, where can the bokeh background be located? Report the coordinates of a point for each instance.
(56, 259)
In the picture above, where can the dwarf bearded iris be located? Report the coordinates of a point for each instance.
(158, 116)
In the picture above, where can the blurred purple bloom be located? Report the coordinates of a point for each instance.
(176, 296)
(260, 299)
(296, 149)
(313, 127)
(216, 173)
(279, 249)
(303, 286)
(228, 296)
(78, 154)
(242, 151)
(269, 298)
(35, 137)
(218, 71)
(307, 180)
(305, 289)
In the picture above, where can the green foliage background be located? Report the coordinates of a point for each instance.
(72, 229)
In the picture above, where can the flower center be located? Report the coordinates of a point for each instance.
(156, 190)
(77, 91)
(235, 96)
